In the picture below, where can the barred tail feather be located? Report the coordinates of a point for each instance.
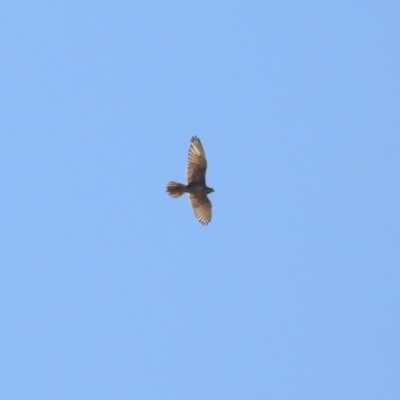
(175, 189)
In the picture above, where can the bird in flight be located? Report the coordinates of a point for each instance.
(196, 183)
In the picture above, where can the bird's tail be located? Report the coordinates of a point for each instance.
(175, 189)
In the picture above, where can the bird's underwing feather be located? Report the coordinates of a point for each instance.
(201, 206)
(197, 163)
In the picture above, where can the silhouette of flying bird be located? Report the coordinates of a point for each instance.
(196, 183)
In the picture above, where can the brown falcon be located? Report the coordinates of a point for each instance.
(196, 183)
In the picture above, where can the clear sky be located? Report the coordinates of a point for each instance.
(109, 289)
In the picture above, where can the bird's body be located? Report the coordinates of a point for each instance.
(198, 188)
(196, 183)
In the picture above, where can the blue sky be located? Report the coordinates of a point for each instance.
(109, 289)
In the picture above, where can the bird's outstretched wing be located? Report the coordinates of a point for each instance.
(201, 206)
(197, 163)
